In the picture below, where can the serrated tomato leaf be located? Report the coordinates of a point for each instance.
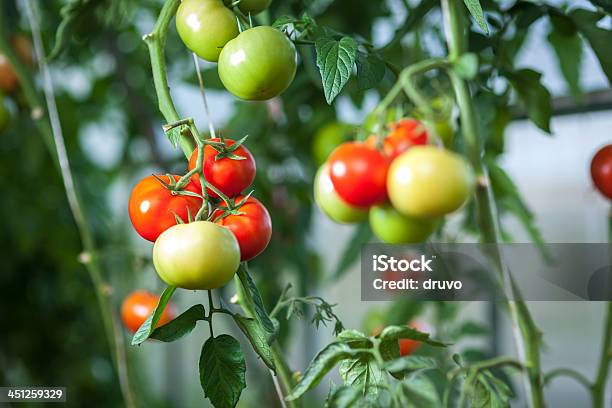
(145, 330)
(222, 371)
(181, 325)
(335, 59)
(322, 363)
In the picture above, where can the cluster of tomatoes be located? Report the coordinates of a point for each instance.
(256, 64)
(200, 254)
(9, 82)
(403, 184)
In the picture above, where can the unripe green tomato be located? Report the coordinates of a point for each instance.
(330, 202)
(199, 255)
(259, 64)
(5, 115)
(427, 181)
(392, 227)
(253, 6)
(205, 26)
(327, 139)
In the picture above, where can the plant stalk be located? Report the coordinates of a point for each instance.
(526, 333)
(58, 151)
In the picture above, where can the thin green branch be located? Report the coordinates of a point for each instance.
(598, 389)
(58, 151)
(567, 372)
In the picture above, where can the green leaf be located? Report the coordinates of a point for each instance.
(466, 66)
(489, 392)
(145, 330)
(222, 371)
(568, 48)
(344, 397)
(174, 136)
(354, 339)
(180, 326)
(335, 60)
(476, 11)
(470, 329)
(258, 338)
(533, 95)
(364, 373)
(404, 332)
(421, 392)
(250, 291)
(408, 364)
(370, 70)
(597, 37)
(350, 253)
(323, 362)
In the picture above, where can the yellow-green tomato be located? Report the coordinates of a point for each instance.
(199, 255)
(5, 116)
(253, 6)
(259, 64)
(205, 26)
(392, 227)
(330, 202)
(327, 139)
(427, 181)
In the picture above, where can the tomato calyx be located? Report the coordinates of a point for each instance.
(231, 207)
(177, 187)
(225, 150)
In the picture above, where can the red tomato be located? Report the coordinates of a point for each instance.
(359, 174)
(138, 305)
(409, 346)
(404, 134)
(230, 176)
(152, 206)
(252, 228)
(601, 170)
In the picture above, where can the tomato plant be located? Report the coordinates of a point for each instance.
(251, 225)
(259, 64)
(331, 203)
(231, 171)
(359, 174)
(153, 208)
(205, 26)
(138, 305)
(199, 255)
(427, 181)
(601, 170)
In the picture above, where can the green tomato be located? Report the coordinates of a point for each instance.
(253, 6)
(392, 227)
(199, 255)
(205, 26)
(259, 64)
(427, 181)
(327, 139)
(330, 202)
(5, 115)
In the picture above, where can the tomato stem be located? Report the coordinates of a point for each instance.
(527, 336)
